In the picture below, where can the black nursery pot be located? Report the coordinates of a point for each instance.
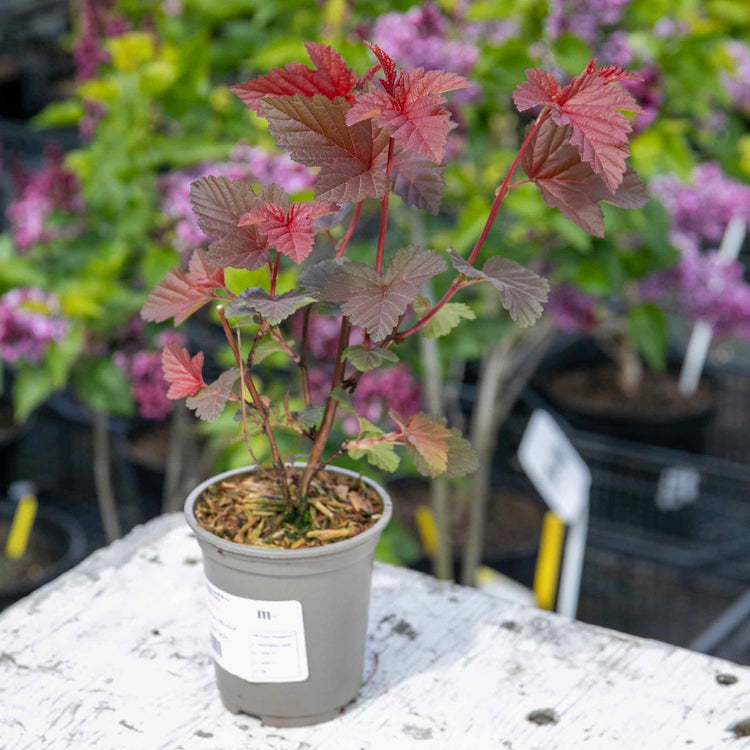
(681, 428)
(57, 543)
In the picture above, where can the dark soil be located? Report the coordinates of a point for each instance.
(251, 509)
(40, 554)
(513, 522)
(150, 447)
(594, 390)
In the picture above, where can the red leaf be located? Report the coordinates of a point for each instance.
(411, 109)
(428, 436)
(219, 203)
(290, 229)
(331, 78)
(376, 302)
(209, 402)
(569, 184)
(386, 65)
(418, 181)
(180, 294)
(612, 73)
(591, 106)
(315, 132)
(184, 375)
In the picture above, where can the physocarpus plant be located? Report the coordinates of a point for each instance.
(384, 132)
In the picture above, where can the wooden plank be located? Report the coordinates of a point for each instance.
(115, 655)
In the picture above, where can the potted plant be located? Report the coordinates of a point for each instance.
(288, 547)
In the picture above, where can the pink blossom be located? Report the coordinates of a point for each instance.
(572, 309)
(30, 320)
(53, 188)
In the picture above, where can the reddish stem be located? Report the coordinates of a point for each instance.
(275, 273)
(341, 249)
(384, 210)
(503, 191)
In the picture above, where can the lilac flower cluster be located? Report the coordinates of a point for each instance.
(424, 37)
(572, 309)
(378, 390)
(97, 21)
(143, 369)
(53, 188)
(701, 210)
(30, 320)
(584, 19)
(248, 162)
(647, 93)
(737, 83)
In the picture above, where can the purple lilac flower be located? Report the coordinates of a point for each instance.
(571, 309)
(30, 320)
(97, 21)
(668, 28)
(583, 18)
(647, 93)
(617, 50)
(737, 83)
(323, 335)
(248, 162)
(701, 210)
(706, 286)
(53, 188)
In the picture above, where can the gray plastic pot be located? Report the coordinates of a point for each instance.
(288, 627)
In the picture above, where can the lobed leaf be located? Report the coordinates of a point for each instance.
(571, 185)
(523, 291)
(219, 203)
(314, 131)
(272, 309)
(290, 228)
(418, 181)
(314, 278)
(411, 109)
(310, 417)
(331, 78)
(209, 402)
(446, 318)
(376, 302)
(381, 455)
(182, 293)
(183, 374)
(592, 106)
(368, 359)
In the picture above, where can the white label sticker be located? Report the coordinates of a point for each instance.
(554, 466)
(259, 641)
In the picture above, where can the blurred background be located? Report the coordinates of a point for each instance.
(110, 108)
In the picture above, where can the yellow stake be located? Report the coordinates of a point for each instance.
(20, 529)
(427, 529)
(548, 560)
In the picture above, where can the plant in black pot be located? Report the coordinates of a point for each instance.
(288, 546)
(623, 379)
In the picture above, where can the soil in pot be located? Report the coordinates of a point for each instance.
(589, 399)
(511, 531)
(252, 509)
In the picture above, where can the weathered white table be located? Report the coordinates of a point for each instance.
(115, 655)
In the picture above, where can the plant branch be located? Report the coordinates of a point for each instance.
(303, 355)
(275, 273)
(341, 248)
(248, 381)
(505, 186)
(384, 210)
(321, 438)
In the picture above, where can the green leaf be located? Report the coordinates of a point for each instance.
(446, 318)
(102, 386)
(61, 356)
(368, 359)
(650, 331)
(60, 114)
(309, 417)
(31, 386)
(381, 455)
(265, 349)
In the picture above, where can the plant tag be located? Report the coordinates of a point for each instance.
(555, 467)
(258, 641)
